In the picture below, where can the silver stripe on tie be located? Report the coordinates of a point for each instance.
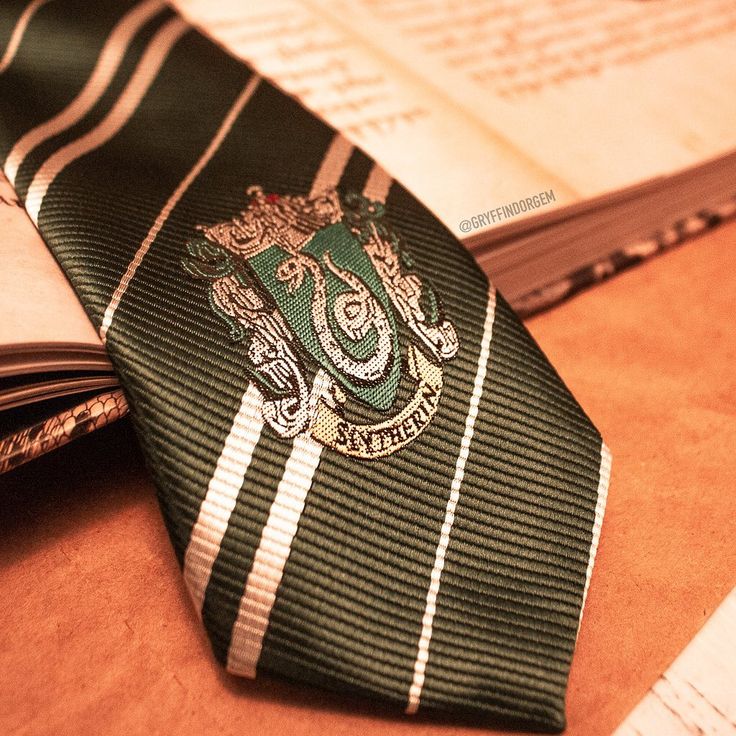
(270, 558)
(274, 547)
(378, 185)
(18, 32)
(333, 164)
(604, 478)
(143, 77)
(163, 216)
(222, 493)
(425, 638)
(105, 69)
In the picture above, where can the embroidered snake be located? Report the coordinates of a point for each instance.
(356, 312)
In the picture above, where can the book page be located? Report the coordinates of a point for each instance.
(37, 302)
(450, 160)
(605, 95)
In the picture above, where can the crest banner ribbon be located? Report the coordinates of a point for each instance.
(372, 441)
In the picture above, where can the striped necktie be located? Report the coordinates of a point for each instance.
(372, 478)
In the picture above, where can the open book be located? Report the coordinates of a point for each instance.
(56, 381)
(561, 141)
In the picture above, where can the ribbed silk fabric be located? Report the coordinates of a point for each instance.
(438, 560)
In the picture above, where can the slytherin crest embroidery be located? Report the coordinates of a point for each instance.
(321, 282)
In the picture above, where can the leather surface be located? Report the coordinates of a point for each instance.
(98, 634)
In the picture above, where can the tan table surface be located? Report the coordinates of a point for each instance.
(98, 634)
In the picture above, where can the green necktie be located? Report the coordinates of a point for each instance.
(373, 479)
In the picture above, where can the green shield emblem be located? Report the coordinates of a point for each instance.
(334, 301)
(323, 278)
